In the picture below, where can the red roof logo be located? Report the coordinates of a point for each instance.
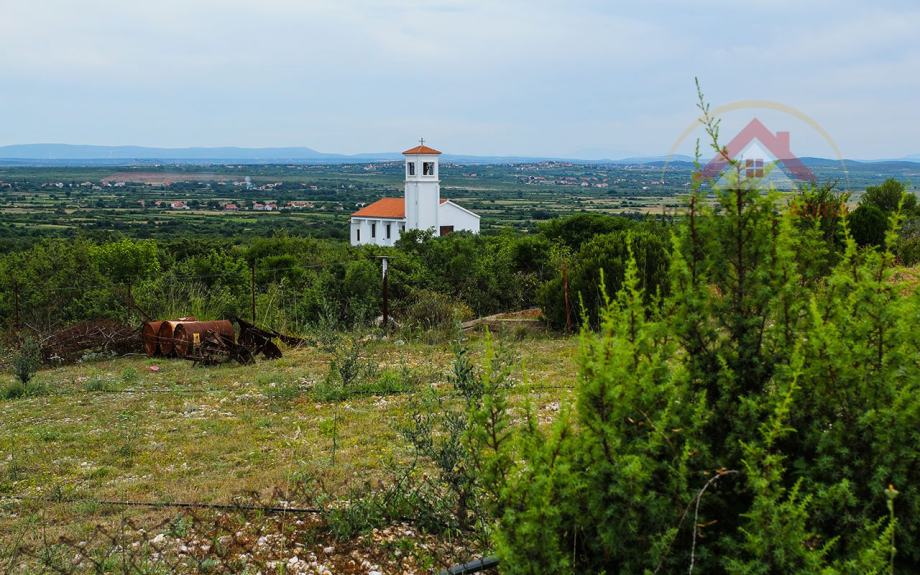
(776, 145)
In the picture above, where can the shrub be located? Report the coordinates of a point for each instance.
(599, 266)
(431, 310)
(14, 390)
(758, 420)
(99, 383)
(908, 245)
(27, 360)
(366, 510)
(350, 373)
(464, 435)
(868, 224)
(129, 375)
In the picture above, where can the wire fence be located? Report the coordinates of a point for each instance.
(250, 535)
(197, 538)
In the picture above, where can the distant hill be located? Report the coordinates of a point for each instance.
(76, 152)
(69, 154)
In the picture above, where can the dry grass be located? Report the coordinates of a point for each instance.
(117, 430)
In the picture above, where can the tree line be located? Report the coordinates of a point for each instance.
(564, 267)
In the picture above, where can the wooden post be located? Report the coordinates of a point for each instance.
(252, 283)
(18, 320)
(565, 295)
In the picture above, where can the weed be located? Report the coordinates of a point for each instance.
(349, 372)
(27, 360)
(179, 526)
(98, 383)
(278, 389)
(367, 510)
(17, 389)
(129, 375)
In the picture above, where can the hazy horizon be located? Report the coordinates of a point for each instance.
(586, 80)
(270, 154)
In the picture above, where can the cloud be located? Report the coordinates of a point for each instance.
(513, 77)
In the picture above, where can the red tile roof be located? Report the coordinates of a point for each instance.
(421, 150)
(384, 208)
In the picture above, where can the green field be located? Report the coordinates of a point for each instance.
(40, 202)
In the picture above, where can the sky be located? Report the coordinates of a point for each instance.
(586, 79)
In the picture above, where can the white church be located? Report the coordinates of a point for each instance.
(421, 207)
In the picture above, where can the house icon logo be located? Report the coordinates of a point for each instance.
(756, 153)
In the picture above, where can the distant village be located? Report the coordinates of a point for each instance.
(227, 206)
(254, 206)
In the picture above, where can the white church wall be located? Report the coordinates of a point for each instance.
(373, 231)
(462, 220)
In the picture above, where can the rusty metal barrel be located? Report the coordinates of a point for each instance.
(189, 335)
(166, 334)
(149, 335)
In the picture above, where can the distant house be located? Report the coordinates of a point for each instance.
(421, 207)
(178, 205)
(231, 207)
(299, 205)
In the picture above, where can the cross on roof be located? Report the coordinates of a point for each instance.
(421, 141)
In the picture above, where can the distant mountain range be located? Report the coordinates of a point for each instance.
(68, 154)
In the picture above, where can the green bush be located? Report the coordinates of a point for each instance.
(350, 374)
(868, 224)
(463, 435)
(431, 310)
(599, 266)
(100, 384)
(760, 418)
(17, 390)
(752, 423)
(908, 245)
(26, 360)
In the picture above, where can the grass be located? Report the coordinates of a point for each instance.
(114, 429)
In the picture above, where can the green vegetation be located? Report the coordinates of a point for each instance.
(301, 283)
(752, 421)
(135, 201)
(27, 360)
(742, 395)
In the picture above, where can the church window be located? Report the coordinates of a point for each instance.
(373, 230)
(410, 167)
(427, 168)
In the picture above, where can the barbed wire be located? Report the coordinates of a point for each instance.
(166, 504)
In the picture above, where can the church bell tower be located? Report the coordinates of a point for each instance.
(423, 188)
